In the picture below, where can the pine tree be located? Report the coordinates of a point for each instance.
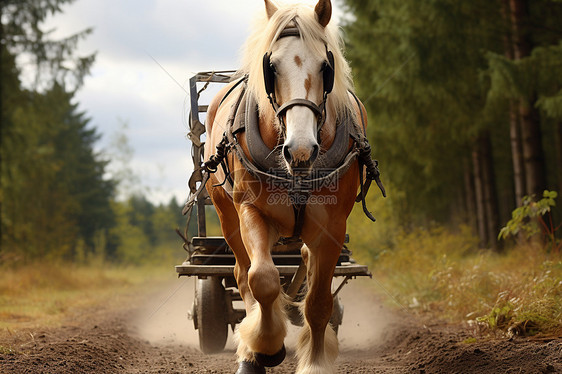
(54, 195)
(49, 60)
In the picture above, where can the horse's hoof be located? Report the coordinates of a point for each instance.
(273, 360)
(247, 367)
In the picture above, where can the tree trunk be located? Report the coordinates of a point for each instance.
(517, 154)
(533, 154)
(559, 157)
(479, 193)
(485, 192)
(514, 121)
(489, 188)
(519, 12)
(470, 195)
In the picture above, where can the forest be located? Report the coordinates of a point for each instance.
(465, 104)
(464, 100)
(58, 200)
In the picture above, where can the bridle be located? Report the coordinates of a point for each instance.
(328, 83)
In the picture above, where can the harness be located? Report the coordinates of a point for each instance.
(264, 163)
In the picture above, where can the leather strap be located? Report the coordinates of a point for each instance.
(290, 31)
(302, 102)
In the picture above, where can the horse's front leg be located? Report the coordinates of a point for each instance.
(318, 344)
(263, 330)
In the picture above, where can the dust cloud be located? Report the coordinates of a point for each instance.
(364, 317)
(163, 319)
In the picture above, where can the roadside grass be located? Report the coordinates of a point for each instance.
(442, 273)
(43, 294)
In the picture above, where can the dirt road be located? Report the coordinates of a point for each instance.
(150, 333)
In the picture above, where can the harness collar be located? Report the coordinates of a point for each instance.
(360, 152)
(246, 119)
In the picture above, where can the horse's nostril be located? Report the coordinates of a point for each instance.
(287, 154)
(315, 150)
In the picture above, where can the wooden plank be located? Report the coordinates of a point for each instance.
(189, 270)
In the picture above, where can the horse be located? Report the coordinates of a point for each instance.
(296, 87)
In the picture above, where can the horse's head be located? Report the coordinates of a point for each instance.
(298, 75)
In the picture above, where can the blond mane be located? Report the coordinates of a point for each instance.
(266, 32)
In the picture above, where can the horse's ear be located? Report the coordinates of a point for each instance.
(323, 12)
(270, 8)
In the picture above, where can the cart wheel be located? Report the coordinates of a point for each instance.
(337, 314)
(210, 312)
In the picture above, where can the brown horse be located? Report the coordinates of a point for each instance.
(295, 75)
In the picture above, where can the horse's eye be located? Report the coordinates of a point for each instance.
(272, 67)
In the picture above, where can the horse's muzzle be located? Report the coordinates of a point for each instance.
(300, 158)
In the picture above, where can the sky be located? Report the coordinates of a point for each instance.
(146, 52)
